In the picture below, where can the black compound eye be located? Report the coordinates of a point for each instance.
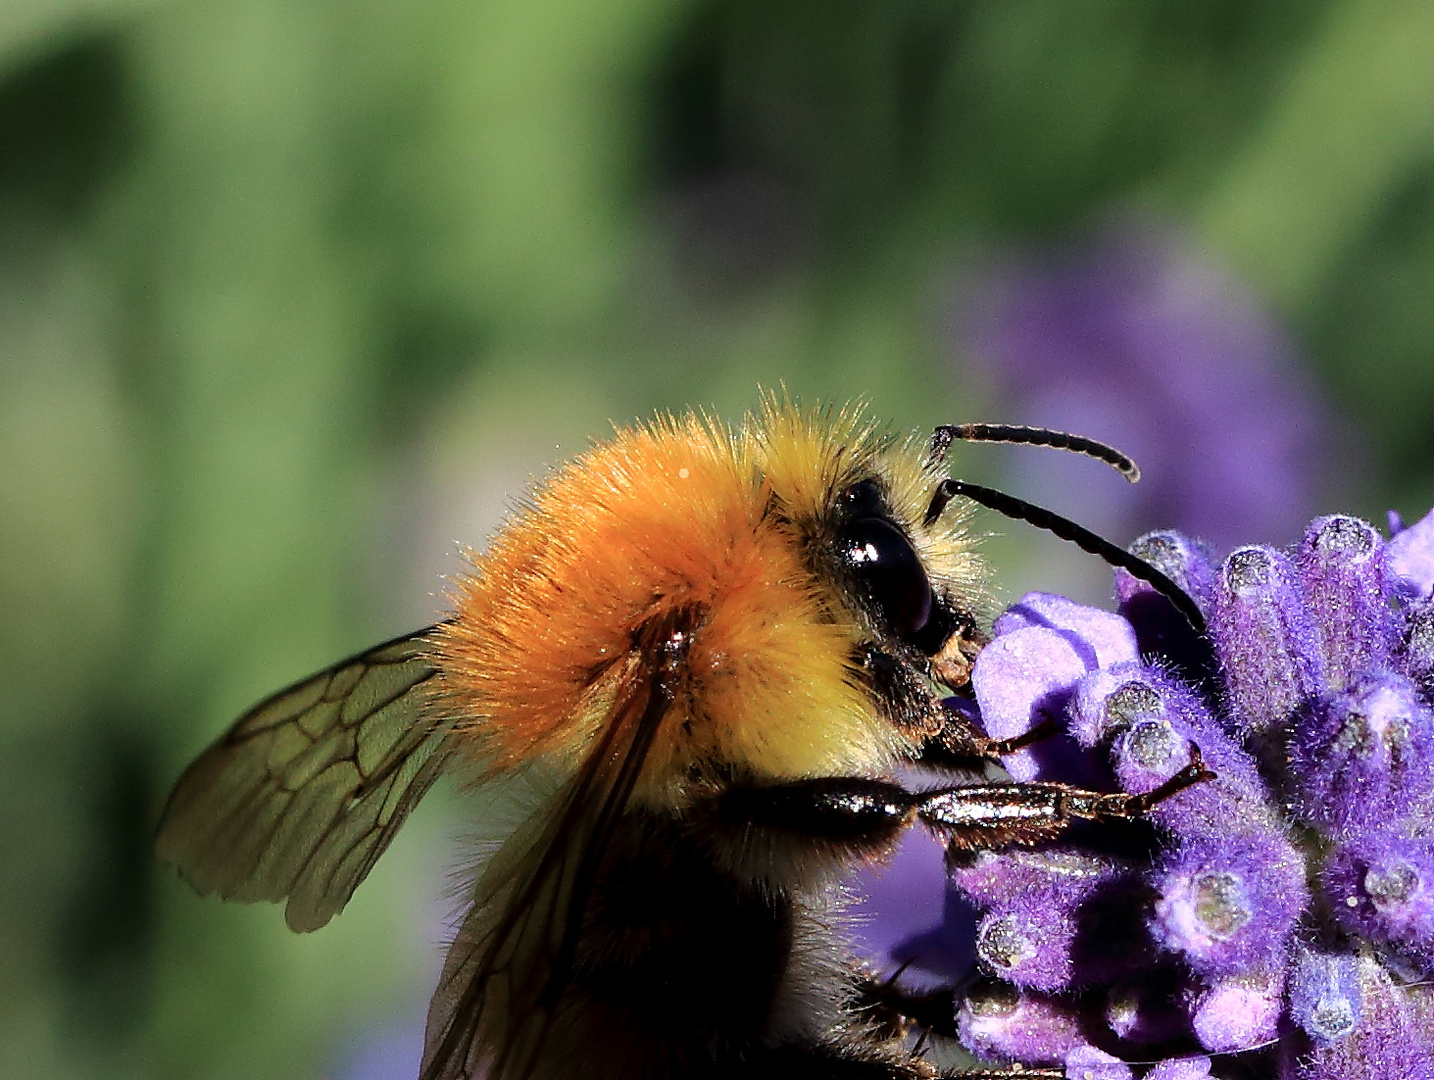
(888, 573)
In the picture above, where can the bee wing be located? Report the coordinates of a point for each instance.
(507, 968)
(302, 795)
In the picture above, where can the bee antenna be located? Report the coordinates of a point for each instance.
(1041, 518)
(946, 434)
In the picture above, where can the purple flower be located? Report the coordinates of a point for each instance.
(1044, 644)
(1363, 756)
(1283, 912)
(1228, 904)
(1264, 635)
(1000, 1022)
(1410, 559)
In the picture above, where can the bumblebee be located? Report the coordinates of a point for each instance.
(705, 653)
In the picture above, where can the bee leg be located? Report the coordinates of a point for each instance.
(960, 746)
(833, 808)
(896, 1010)
(991, 816)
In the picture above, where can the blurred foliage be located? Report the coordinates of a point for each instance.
(293, 293)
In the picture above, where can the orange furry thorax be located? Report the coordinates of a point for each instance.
(679, 513)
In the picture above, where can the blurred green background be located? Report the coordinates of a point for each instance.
(297, 294)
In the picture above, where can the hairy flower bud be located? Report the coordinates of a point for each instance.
(1365, 754)
(1151, 721)
(1383, 887)
(1228, 904)
(1186, 1068)
(1263, 635)
(1236, 1012)
(1415, 655)
(998, 1021)
(1342, 572)
(1390, 1039)
(1324, 994)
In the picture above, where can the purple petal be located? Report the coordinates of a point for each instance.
(1236, 1012)
(1102, 637)
(1186, 1068)
(1409, 558)
(998, 1021)
(1088, 1063)
(1021, 679)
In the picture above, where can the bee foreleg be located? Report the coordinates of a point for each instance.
(961, 746)
(836, 807)
(989, 816)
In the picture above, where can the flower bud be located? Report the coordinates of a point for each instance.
(1236, 1012)
(1160, 629)
(1342, 571)
(1228, 904)
(1416, 648)
(1089, 1063)
(1324, 994)
(1389, 1040)
(1264, 638)
(996, 1020)
(1022, 679)
(1363, 755)
(1152, 721)
(1065, 934)
(1383, 888)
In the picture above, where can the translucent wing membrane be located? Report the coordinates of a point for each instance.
(498, 997)
(303, 794)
